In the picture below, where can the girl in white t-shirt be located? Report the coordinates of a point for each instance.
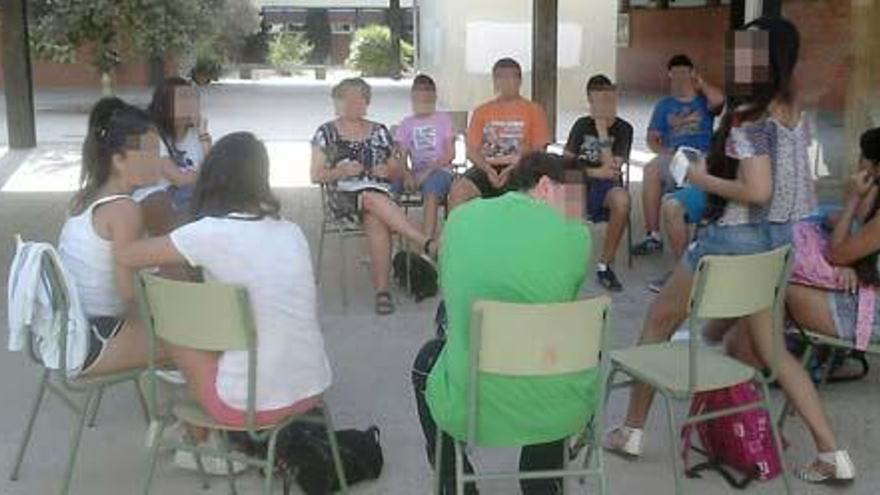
(238, 237)
(120, 154)
(176, 111)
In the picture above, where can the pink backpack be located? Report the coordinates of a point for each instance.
(742, 441)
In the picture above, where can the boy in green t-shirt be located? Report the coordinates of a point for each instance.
(519, 247)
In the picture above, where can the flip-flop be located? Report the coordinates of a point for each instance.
(384, 304)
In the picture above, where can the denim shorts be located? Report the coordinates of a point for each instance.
(437, 183)
(736, 240)
(692, 200)
(845, 312)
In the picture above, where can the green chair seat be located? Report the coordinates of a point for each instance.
(666, 366)
(191, 413)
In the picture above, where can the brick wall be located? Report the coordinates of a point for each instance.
(656, 35)
(82, 74)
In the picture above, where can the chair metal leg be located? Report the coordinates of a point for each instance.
(230, 469)
(269, 470)
(459, 469)
(320, 254)
(139, 392)
(629, 240)
(334, 449)
(673, 446)
(777, 439)
(29, 428)
(342, 262)
(153, 456)
(77, 437)
(97, 405)
(199, 465)
(438, 453)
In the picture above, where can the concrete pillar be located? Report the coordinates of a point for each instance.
(545, 17)
(17, 76)
(395, 26)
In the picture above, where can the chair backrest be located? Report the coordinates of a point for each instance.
(206, 316)
(538, 339)
(736, 286)
(740, 286)
(528, 340)
(459, 121)
(51, 277)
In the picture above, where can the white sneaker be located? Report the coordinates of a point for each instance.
(174, 377)
(213, 465)
(625, 441)
(830, 467)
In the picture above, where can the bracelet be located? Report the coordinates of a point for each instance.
(204, 137)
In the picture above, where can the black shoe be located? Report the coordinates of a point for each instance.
(609, 280)
(648, 246)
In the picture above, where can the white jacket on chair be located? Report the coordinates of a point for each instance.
(30, 309)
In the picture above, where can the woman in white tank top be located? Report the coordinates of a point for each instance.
(120, 154)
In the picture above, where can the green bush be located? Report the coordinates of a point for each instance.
(208, 67)
(371, 52)
(289, 49)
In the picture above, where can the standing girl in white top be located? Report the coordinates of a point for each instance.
(238, 237)
(120, 154)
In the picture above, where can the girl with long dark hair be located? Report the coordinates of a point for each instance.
(176, 112)
(238, 237)
(120, 154)
(835, 313)
(758, 178)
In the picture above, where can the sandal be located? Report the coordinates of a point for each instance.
(832, 468)
(384, 304)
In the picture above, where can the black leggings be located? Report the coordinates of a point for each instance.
(540, 457)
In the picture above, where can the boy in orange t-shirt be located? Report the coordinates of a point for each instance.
(500, 132)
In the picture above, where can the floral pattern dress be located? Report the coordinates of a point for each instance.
(374, 150)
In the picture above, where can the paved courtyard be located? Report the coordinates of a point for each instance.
(371, 355)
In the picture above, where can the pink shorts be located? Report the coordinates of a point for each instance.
(223, 413)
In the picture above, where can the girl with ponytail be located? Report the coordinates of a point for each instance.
(120, 154)
(758, 177)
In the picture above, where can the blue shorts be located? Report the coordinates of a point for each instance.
(844, 309)
(736, 240)
(692, 200)
(437, 183)
(597, 190)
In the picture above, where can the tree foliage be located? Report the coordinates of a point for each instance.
(116, 30)
(319, 35)
(288, 49)
(371, 51)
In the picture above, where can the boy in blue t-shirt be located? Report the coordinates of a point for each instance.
(685, 118)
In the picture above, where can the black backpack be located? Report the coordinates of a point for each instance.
(303, 454)
(420, 278)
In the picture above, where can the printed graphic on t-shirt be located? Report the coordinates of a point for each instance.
(424, 139)
(503, 138)
(685, 122)
(590, 150)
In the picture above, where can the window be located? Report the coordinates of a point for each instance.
(341, 28)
